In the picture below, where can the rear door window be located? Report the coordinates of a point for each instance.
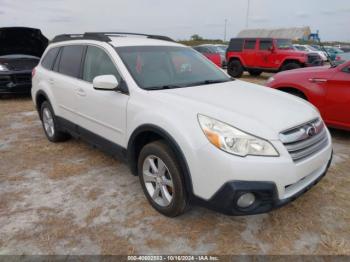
(50, 57)
(265, 44)
(70, 61)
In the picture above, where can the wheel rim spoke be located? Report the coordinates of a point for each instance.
(168, 182)
(156, 191)
(149, 177)
(161, 167)
(153, 165)
(165, 195)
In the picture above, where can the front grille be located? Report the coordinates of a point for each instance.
(305, 140)
(314, 59)
(22, 78)
(4, 80)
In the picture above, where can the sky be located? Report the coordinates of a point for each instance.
(178, 19)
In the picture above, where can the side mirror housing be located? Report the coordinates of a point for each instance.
(272, 49)
(105, 82)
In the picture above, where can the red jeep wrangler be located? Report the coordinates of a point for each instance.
(257, 55)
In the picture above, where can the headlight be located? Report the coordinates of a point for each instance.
(3, 68)
(234, 141)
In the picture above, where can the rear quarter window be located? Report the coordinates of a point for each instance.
(70, 62)
(236, 45)
(49, 58)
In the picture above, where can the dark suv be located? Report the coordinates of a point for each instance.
(257, 55)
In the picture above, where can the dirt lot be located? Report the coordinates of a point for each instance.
(71, 199)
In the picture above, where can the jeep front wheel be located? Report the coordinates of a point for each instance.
(235, 68)
(290, 66)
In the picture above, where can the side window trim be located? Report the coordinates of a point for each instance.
(82, 63)
(57, 59)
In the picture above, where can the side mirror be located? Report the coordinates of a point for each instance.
(105, 82)
(271, 49)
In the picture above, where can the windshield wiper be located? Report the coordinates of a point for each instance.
(208, 82)
(163, 87)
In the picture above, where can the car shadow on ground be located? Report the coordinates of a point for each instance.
(340, 134)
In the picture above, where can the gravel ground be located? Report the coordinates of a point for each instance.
(68, 198)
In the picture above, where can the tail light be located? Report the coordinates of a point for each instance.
(33, 72)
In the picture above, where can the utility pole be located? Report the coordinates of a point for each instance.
(225, 28)
(247, 18)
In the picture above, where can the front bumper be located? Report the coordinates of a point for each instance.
(266, 195)
(15, 82)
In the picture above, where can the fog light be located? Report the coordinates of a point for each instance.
(246, 200)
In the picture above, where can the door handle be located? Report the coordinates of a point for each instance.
(81, 92)
(318, 80)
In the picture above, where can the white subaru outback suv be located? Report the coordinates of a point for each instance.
(190, 132)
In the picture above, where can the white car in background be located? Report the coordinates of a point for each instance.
(190, 132)
(311, 49)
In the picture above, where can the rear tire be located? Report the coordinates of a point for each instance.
(290, 66)
(161, 179)
(255, 72)
(50, 125)
(235, 68)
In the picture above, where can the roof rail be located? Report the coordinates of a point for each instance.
(68, 37)
(103, 36)
(159, 37)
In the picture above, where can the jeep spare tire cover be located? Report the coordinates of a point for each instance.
(22, 40)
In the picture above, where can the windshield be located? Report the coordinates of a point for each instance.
(284, 44)
(19, 56)
(160, 67)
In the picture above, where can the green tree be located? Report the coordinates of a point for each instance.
(196, 37)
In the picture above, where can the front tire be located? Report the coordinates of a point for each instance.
(161, 179)
(290, 66)
(235, 68)
(50, 125)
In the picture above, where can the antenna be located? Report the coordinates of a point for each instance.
(225, 29)
(247, 17)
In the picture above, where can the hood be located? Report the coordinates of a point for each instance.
(22, 40)
(255, 109)
(305, 70)
(292, 52)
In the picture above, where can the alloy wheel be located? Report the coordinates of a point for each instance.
(158, 180)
